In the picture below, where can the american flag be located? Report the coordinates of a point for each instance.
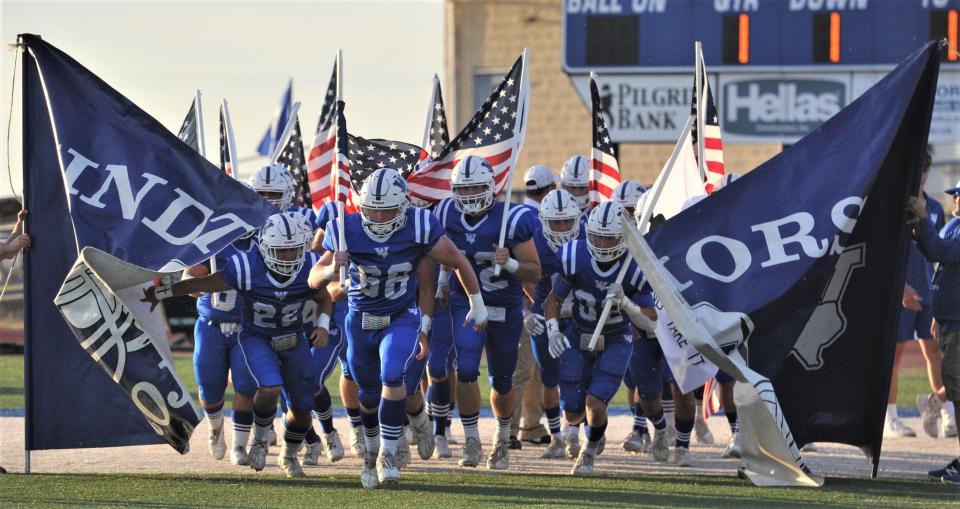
(292, 157)
(225, 163)
(188, 130)
(604, 170)
(495, 131)
(329, 101)
(712, 142)
(366, 156)
(435, 134)
(323, 186)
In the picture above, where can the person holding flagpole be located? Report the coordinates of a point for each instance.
(472, 219)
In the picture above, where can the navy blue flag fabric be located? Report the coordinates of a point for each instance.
(811, 246)
(188, 130)
(271, 138)
(123, 184)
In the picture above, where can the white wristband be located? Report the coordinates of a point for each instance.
(476, 301)
(511, 265)
(322, 322)
(444, 278)
(163, 292)
(425, 324)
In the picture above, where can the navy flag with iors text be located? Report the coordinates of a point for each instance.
(811, 247)
(122, 200)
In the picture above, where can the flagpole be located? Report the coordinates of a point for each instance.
(644, 219)
(508, 183)
(335, 172)
(593, 195)
(701, 105)
(433, 100)
(287, 132)
(201, 138)
(231, 144)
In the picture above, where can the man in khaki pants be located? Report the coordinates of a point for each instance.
(526, 378)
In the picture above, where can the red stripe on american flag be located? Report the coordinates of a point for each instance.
(713, 143)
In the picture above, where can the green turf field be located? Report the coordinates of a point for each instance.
(456, 490)
(912, 382)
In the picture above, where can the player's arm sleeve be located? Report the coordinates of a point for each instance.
(330, 236)
(521, 225)
(235, 271)
(428, 229)
(563, 282)
(935, 248)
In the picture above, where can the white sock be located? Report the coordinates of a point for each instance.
(891, 412)
(503, 429)
(216, 420)
(417, 420)
(470, 428)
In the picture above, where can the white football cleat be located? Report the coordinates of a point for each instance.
(895, 428)
(388, 470)
(260, 448)
(442, 449)
(311, 453)
(661, 447)
(423, 437)
(701, 430)
(555, 450)
(681, 457)
(288, 461)
(571, 442)
(368, 472)
(218, 443)
(472, 450)
(733, 447)
(403, 450)
(499, 458)
(357, 446)
(948, 423)
(635, 442)
(929, 405)
(584, 463)
(331, 442)
(239, 457)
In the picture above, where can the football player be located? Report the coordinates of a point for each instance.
(272, 284)
(215, 354)
(349, 391)
(472, 219)
(384, 325)
(560, 223)
(589, 378)
(575, 179)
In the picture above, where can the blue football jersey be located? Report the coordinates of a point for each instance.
(476, 241)
(270, 306)
(579, 272)
(549, 267)
(383, 273)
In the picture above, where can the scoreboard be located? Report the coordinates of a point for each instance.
(641, 36)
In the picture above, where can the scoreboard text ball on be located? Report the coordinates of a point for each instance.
(751, 35)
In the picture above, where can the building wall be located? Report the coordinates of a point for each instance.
(488, 35)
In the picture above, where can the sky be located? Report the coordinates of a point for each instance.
(158, 53)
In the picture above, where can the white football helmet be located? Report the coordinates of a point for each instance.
(275, 180)
(384, 190)
(575, 174)
(638, 210)
(604, 221)
(418, 202)
(559, 205)
(283, 232)
(469, 172)
(627, 193)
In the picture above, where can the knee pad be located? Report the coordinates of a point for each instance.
(502, 383)
(370, 398)
(467, 377)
